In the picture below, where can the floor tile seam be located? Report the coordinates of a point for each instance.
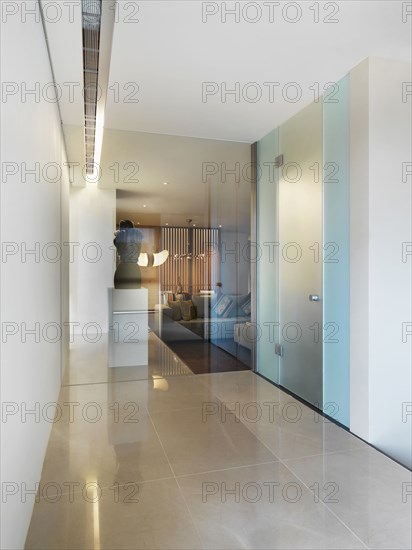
(340, 520)
(161, 445)
(196, 407)
(191, 375)
(192, 408)
(107, 382)
(349, 450)
(141, 405)
(327, 453)
(306, 411)
(178, 485)
(158, 435)
(166, 410)
(218, 470)
(260, 440)
(249, 426)
(192, 519)
(297, 477)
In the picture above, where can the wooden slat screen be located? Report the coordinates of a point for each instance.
(193, 255)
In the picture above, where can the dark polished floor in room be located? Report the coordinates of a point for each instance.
(201, 355)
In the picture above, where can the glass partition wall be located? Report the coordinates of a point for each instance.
(200, 298)
(230, 203)
(302, 223)
(267, 268)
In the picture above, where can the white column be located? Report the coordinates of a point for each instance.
(381, 384)
(92, 223)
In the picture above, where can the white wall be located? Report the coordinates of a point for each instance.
(92, 223)
(390, 202)
(359, 250)
(381, 281)
(35, 290)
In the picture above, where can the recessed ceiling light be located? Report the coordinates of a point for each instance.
(138, 223)
(166, 224)
(194, 225)
(165, 183)
(145, 205)
(220, 225)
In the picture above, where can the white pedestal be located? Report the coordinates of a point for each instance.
(128, 327)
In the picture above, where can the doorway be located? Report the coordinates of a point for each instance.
(300, 264)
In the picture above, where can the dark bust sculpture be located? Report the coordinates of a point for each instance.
(128, 242)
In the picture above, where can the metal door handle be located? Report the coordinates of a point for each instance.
(314, 297)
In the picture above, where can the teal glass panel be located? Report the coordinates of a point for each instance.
(336, 251)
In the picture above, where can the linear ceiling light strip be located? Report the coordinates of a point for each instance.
(91, 25)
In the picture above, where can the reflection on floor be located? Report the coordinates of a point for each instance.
(88, 363)
(204, 357)
(208, 461)
(200, 354)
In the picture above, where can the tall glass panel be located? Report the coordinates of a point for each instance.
(300, 263)
(267, 272)
(230, 313)
(336, 251)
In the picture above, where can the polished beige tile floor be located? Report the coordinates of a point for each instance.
(161, 458)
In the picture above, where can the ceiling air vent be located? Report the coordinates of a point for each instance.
(91, 24)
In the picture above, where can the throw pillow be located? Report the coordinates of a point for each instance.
(188, 310)
(222, 305)
(235, 309)
(246, 307)
(231, 310)
(242, 299)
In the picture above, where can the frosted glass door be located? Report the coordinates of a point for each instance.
(300, 254)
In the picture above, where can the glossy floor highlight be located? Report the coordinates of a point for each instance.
(227, 460)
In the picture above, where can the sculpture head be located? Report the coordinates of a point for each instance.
(126, 224)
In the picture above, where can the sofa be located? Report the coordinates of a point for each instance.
(210, 317)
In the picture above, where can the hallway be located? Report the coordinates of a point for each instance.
(224, 460)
